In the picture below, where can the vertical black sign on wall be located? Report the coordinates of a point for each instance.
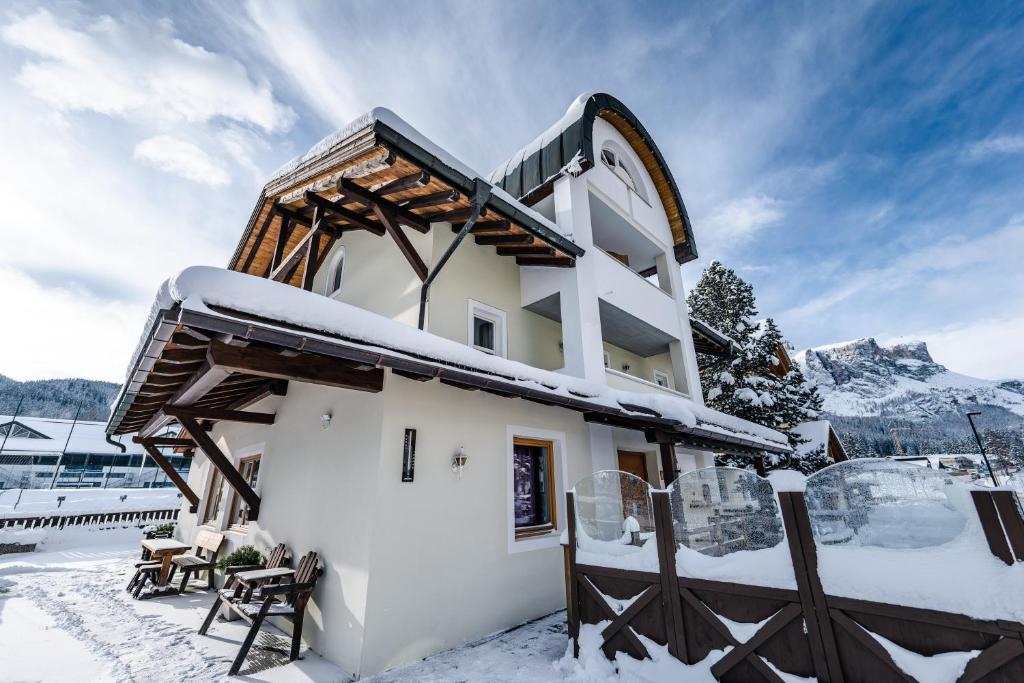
(409, 455)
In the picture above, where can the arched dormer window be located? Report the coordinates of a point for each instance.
(620, 164)
(335, 273)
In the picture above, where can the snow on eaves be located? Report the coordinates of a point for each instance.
(403, 128)
(572, 114)
(200, 287)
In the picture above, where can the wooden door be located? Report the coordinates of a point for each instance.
(634, 462)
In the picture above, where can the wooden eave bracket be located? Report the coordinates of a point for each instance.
(219, 460)
(150, 445)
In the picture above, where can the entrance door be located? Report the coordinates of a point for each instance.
(634, 462)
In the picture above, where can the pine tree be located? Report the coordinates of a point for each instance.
(748, 385)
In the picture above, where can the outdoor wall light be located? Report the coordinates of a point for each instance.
(625, 367)
(325, 420)
(459, 461)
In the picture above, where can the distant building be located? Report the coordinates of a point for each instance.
(820, 433)
(33, 446)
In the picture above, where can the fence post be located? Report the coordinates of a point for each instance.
(824, 652)
(572, 606)
(990, 524)
(664, 536)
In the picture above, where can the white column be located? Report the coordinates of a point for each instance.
(581, 318)
(684, 358)
(603, 455)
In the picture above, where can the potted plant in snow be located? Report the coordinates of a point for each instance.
(243, 558)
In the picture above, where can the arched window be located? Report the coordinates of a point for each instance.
(335, 273)
(619, 164)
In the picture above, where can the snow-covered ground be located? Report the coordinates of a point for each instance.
(30, 502)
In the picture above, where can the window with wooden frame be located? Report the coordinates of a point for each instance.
(249, 468)
(533, 482)
(213, 497)
(661, 379)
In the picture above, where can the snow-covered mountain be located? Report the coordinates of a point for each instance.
(862, 378)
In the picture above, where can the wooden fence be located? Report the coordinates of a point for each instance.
(51, 521)
(806, 632)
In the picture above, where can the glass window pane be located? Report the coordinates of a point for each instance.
(483, 333)
(532, 482)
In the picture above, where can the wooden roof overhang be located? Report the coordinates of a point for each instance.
(152, 399)
(380, 181)
(531, 176)
(707, 339)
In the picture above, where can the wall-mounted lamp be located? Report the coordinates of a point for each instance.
(459, 461)
(625, 367)
(325, 420)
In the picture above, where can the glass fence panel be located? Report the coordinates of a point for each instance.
(721, 510)
(613, 513)
(881, 503)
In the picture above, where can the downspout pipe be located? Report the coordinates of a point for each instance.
(481, 193)
(110, 440)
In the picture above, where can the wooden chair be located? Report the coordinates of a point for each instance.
(141, 571)
(204, 559)
(277, 558)
(287, 600)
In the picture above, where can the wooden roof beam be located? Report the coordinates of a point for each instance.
(504, 239)
(484, 227)
(453, 216)
(390, 223)
(351, 217)
(172, 474)
(433, 199)
(283, 271)
(526, 250)
(418, 179)
(554, 262)
(303, 368)
(349, 189)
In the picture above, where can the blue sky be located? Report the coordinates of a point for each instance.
(861, 165)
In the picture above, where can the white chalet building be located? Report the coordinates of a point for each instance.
(406, 364)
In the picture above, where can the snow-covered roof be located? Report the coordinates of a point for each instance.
(816, 433)
(215, 293)
(382, 115)
(86, 437)
(567, 146)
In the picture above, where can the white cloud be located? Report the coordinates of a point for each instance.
(122, 69)
(181, 158)
(995, 145)
(987, 348)
(71, 333)
(996, 252)
(740, 220)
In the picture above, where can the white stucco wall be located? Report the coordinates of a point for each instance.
(411, 568)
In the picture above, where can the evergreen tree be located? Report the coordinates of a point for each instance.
(748, 384)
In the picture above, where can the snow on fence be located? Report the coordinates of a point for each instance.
(60, 508)
(877, 571)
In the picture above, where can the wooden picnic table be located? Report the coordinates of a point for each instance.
(164, 549)
(252, 579)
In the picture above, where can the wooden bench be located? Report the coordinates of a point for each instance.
(284, 600)
(208, 544)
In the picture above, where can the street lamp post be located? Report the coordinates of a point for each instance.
(970, 418)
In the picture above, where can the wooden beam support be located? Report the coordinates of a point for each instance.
(453, 216)
(484, 227)
(312, 254)
(555, 262)
(349, 189)
(418, 179)
(189, 413)
(387, 219)
(223, 465)
(164, 441)
(352, 217)
(259, 238)
(433, 199)
(283, 271)
(303, 368)
(283, 233)
(181, 356)
(526, 251)
(504, 239)
(669, 469)
(172, 474)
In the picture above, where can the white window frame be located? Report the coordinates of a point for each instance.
(553, 537)
(338, 256)
(664, 375)
(498, 318)
(627, 166)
